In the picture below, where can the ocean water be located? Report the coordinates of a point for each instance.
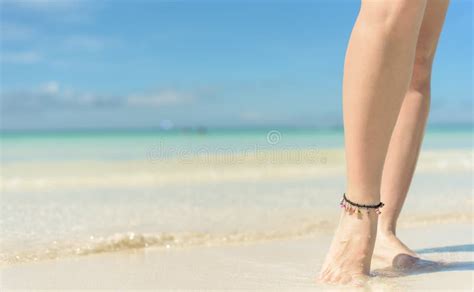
(78, 193)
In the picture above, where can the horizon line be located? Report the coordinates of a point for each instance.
(205, 129)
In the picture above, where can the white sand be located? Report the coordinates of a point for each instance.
(289, 265)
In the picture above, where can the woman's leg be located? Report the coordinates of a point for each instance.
(408, 133)
(378, 68)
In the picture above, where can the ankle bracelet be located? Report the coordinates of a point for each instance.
(352, 207)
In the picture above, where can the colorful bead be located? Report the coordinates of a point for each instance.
(352, 207)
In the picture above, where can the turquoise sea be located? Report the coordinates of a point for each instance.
(140, 144)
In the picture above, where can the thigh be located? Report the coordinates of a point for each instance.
(403, 14)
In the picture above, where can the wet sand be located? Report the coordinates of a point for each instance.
(289, 265)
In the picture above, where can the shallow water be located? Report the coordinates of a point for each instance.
(75, 194)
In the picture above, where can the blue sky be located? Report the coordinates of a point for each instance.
(126, 64)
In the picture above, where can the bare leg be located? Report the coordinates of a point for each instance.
(377, 72)
(408, 134)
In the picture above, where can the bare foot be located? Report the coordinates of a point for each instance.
(388, 246)
(348, 260)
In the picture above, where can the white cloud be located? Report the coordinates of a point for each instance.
(51, 87)
(44, 5)
(160, 98)
(62, 11)
(52, 95)
(26, 57)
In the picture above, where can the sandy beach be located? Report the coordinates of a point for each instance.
(258, 218)
(213, 145)
(283, 265)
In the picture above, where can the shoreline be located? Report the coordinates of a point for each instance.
(133, 242)
(284, 264)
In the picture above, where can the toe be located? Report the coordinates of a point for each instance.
(323, 273)
(327, 277)
(336, 278)
(358, 280)
(345, 279)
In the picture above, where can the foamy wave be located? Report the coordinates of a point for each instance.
(137, 241)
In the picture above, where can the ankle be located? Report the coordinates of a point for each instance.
(387, 226)
(386, 231)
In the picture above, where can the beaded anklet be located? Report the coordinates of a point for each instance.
(353, 207)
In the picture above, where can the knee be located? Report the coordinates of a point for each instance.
(421, 76)
(392, 16)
